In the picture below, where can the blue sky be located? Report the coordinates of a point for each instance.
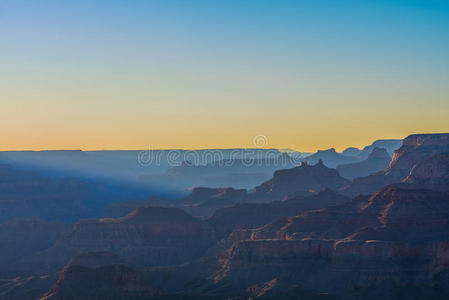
(118, 74)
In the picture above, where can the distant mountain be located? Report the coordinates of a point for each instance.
(330, 158)
(377, 161)
(351, 151)
(389, 145)
(351, 155)
(127, 167)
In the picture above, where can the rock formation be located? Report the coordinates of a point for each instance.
(301, 180)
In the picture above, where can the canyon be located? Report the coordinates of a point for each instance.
(306, 233)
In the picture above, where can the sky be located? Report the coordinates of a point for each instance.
(166, 74)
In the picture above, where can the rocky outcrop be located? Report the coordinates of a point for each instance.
(415, 149)
(377, 161)
(302, 180)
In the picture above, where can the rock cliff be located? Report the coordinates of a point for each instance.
(415, 149)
